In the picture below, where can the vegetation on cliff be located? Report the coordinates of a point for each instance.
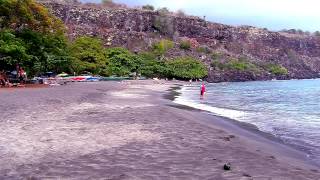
(164, 44)
(277, 70)
(235, 65)
(161, 47)
(186, 45)
(186, 68)
(34, 39)
(243, 69)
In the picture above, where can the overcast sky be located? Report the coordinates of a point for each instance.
(272, 14)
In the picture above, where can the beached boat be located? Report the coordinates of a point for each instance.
(85, 78)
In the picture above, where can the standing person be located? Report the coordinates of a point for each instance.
(17, 71)
(6, 79)
(21, 75)
(202, 90)
(2, 79)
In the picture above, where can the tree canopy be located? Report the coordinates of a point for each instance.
(187, 68)
(122, 62)
(12, 50)
(33, 38)
(28, 14)
(88, 55)
(37, 52)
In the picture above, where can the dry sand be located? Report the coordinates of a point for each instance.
(127, 130)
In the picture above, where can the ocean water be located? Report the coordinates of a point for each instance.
(290, 110)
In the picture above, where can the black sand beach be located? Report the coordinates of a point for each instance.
(127, 130)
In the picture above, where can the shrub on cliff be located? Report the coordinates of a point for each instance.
(107, 1)
(163, 23)
(148, 7)
(216, 64)
(185, 45)
(109, 4)
(163, 11)
(186, 68)
(277, 70)
(241, 65)
(216, 55)
(161, 47)
(204, 49)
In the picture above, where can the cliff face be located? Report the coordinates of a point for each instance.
(138, 29)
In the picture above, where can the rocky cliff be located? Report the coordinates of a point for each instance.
(138, 29)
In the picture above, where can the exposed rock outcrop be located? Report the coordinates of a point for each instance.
(138, 29)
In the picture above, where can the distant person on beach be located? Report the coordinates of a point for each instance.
(22, 75)
(2, 78)
(202, 90)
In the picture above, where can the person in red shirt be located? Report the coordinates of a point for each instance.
(202, 89)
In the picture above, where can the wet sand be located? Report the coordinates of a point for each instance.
(112, 130)
(33, 86)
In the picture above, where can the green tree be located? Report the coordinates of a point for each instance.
(49, 52)
(28, 14)
(35, 38)
(151, 67)
(122, 62)
(186, 68)
(88, 55)
(12, 50)
(161, 47)
(36, 52)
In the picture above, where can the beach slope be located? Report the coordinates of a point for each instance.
(127, 130)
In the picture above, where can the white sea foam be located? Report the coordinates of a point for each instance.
(286, 109)
(229, 113)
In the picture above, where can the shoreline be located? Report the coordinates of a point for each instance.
(244, 127)
(129, 130)
(25, 86)
(293, 79)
